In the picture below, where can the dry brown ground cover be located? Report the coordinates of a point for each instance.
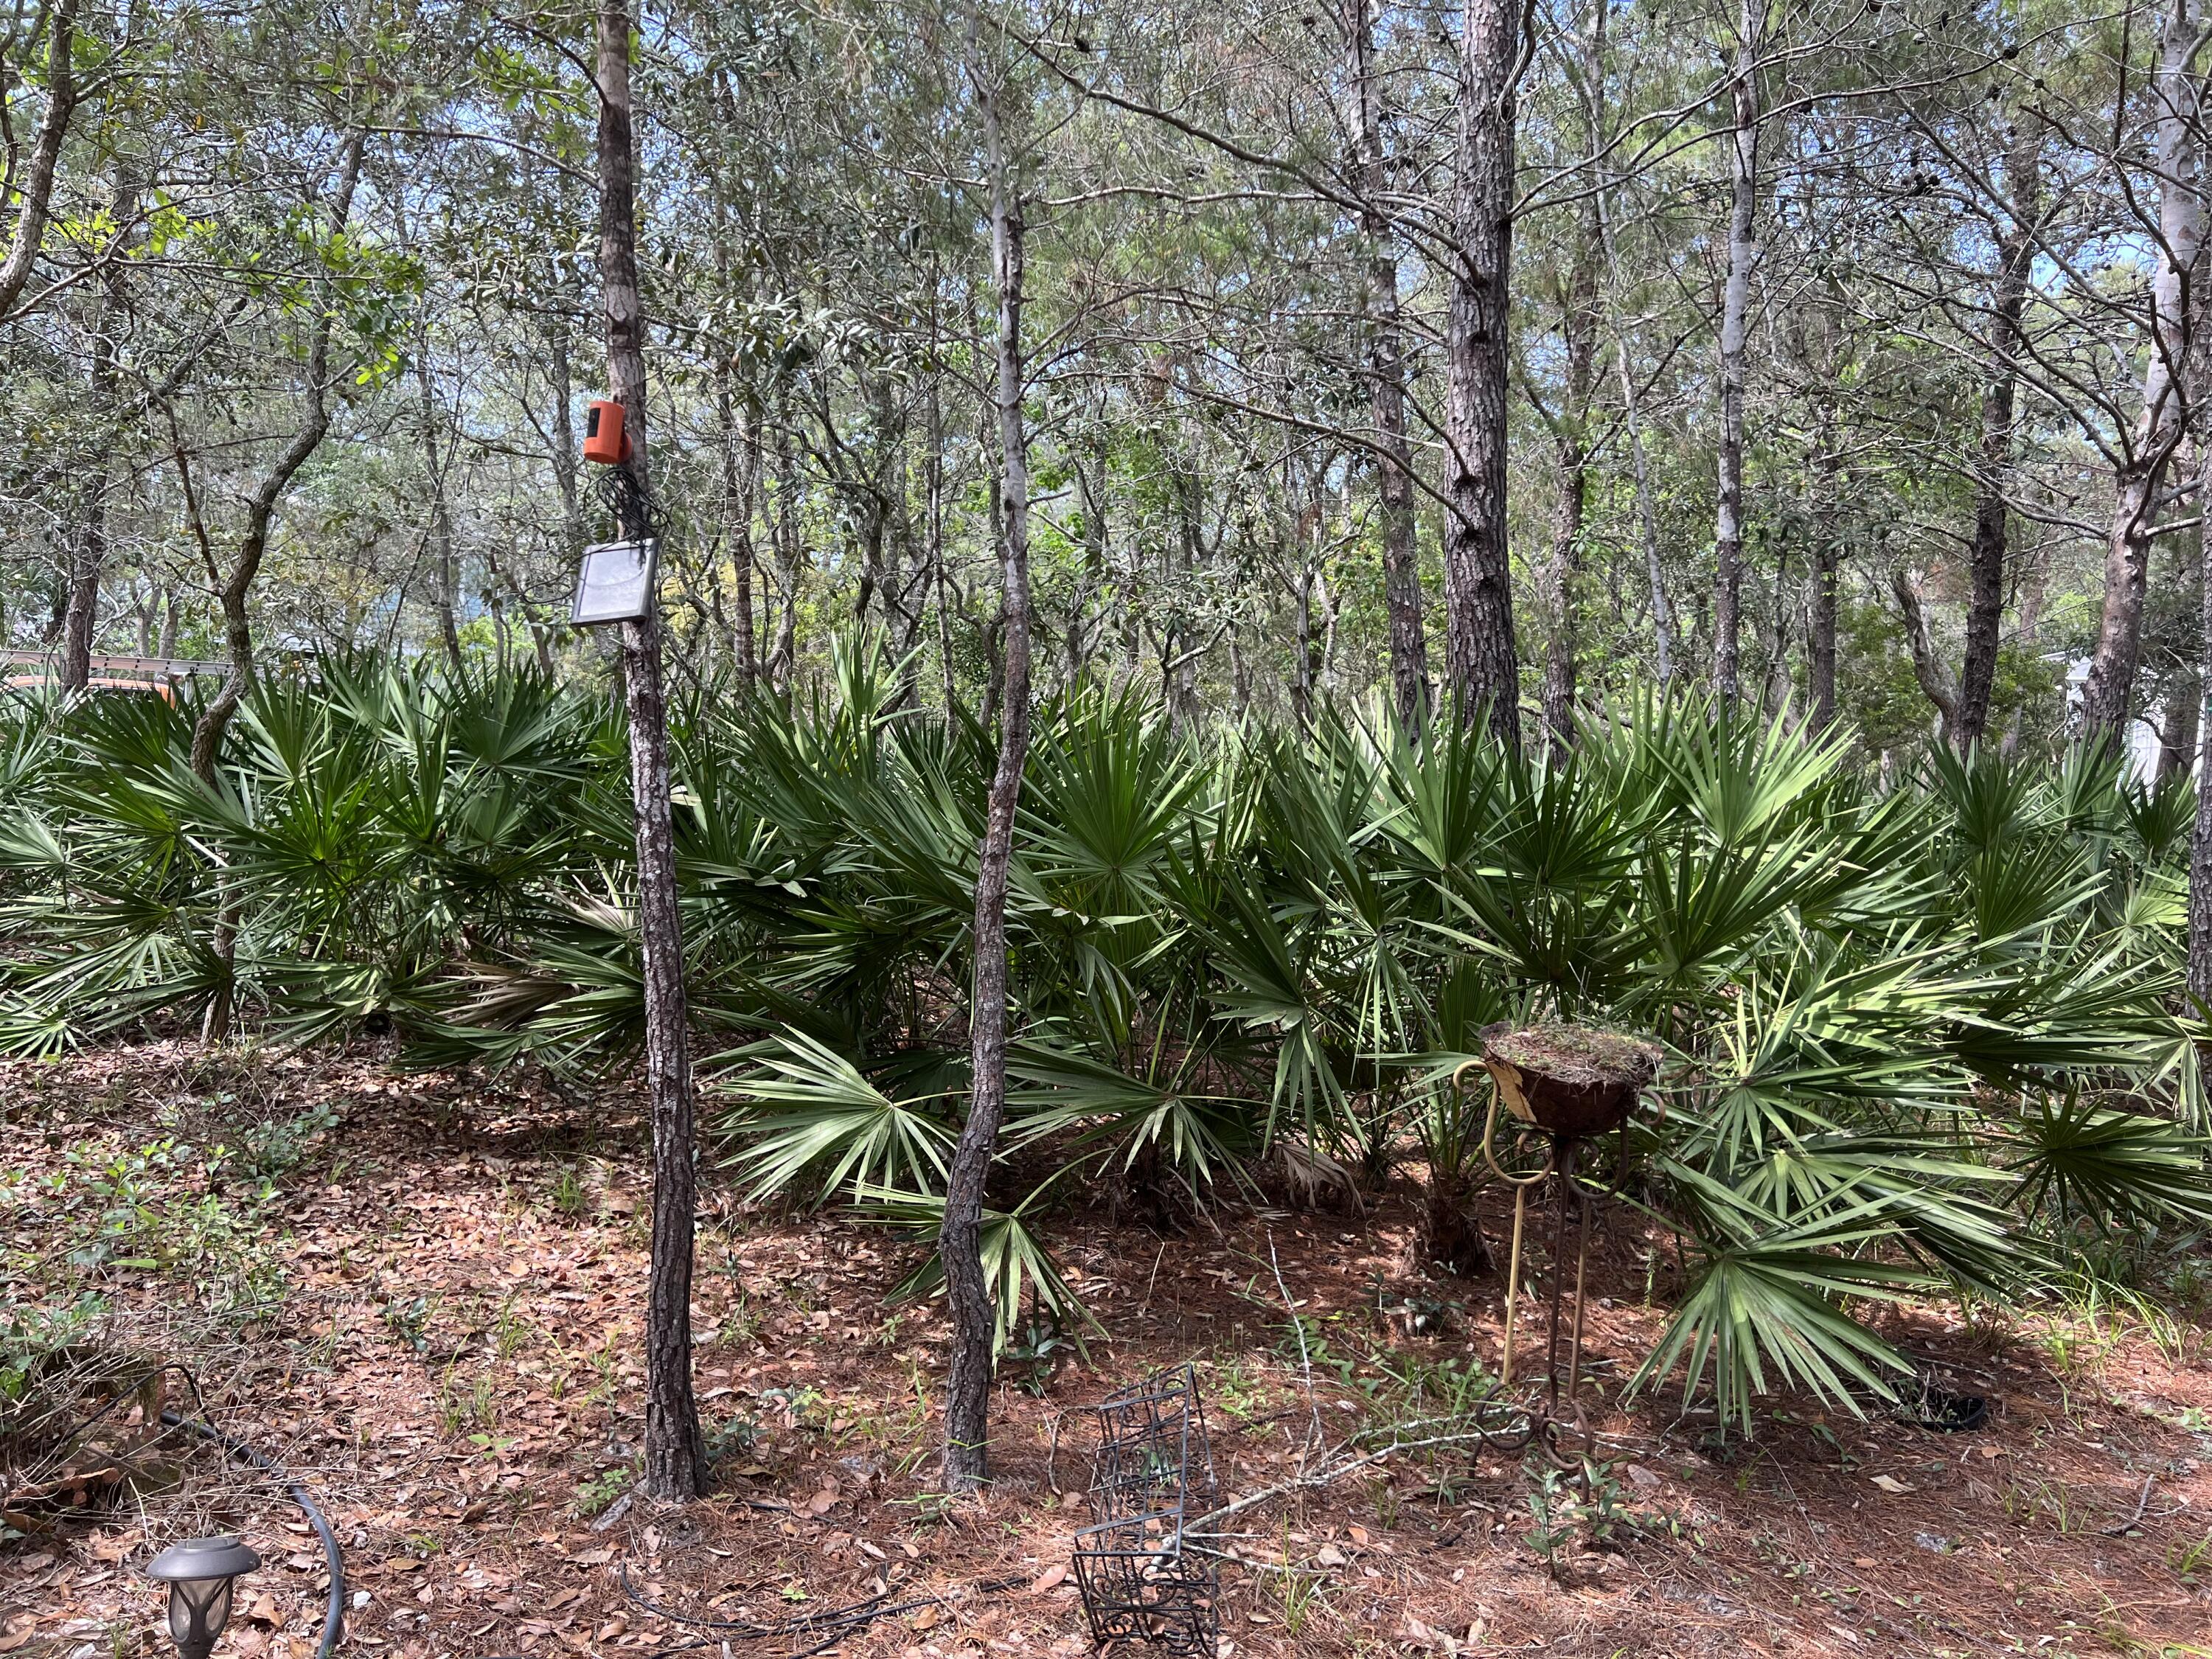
(451, 1280)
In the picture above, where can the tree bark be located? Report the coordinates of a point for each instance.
(442, 518)
(1927, 665)
(1735, 308)
(2200, 839)
(2008, 304)
(1570, 431)
(783, 652)
(1479, 652)
(38, 187)
(675, 1454)
(1386, 370)
(231, 590)
(968, 1382)
(2108, 698)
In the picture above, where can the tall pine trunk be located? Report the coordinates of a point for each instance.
(1480, 655)
(968, 1382)
(2108, 698)
(1571, 432)
(675, 1454)
(2008, 305)
(1386, 369)
(1735, 310)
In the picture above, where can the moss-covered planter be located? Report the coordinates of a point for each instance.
(1567, 1081)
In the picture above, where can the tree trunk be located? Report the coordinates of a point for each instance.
(1735, 308)
(441, 517)
(968, 1382)
(37, 189)
(2200, 839)
(782, 657)
(1927, 665)
(81, 618)
(1479, 652)
(2108, 698)
(675, 1454)
(1386, 370)
(234, 588)
(2009, 303)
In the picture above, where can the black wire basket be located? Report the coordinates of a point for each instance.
(1139, 1580)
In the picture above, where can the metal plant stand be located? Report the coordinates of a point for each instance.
(1153, 1473)
(1570, 1087)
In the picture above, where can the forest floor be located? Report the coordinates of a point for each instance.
(432, 1316)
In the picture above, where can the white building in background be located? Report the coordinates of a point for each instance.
(2142, 734)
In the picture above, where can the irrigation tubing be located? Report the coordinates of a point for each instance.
(334, 1614)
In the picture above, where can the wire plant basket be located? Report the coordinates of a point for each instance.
(1153, 1475)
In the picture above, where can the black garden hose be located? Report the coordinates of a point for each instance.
(334, 1614)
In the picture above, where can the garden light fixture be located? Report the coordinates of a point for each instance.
(199, 1573)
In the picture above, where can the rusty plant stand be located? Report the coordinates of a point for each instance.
(1569, 1085)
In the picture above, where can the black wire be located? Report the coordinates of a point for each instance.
(334, 1612)
(633, 506)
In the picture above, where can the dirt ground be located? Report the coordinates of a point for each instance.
(433, 1321)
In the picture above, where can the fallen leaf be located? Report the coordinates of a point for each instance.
(403, 1564)
(1050, 1577)
(925, 1617)
(1641, 1477)
(1328, 1556)
(1357, 1535)
(264, 1611)
(1891, 1483)
(593, 1557)
(820, 1503)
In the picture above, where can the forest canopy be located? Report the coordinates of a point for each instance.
(1835, 356)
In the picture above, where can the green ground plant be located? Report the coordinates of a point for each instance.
(1925, 1042)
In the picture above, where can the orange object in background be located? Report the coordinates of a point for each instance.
(605, 440)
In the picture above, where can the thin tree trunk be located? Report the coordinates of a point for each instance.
(441, 517)
(782, 657)
(81, 617)
(2200, 839)
(1927, 665)
(565, 461)
(1735, 308)
(675, 1454)
(1386, 370)
(1827, 557)
(38, 185)
(2108, 698)
(1985, 606)
(233, 590)
(968, 1382)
